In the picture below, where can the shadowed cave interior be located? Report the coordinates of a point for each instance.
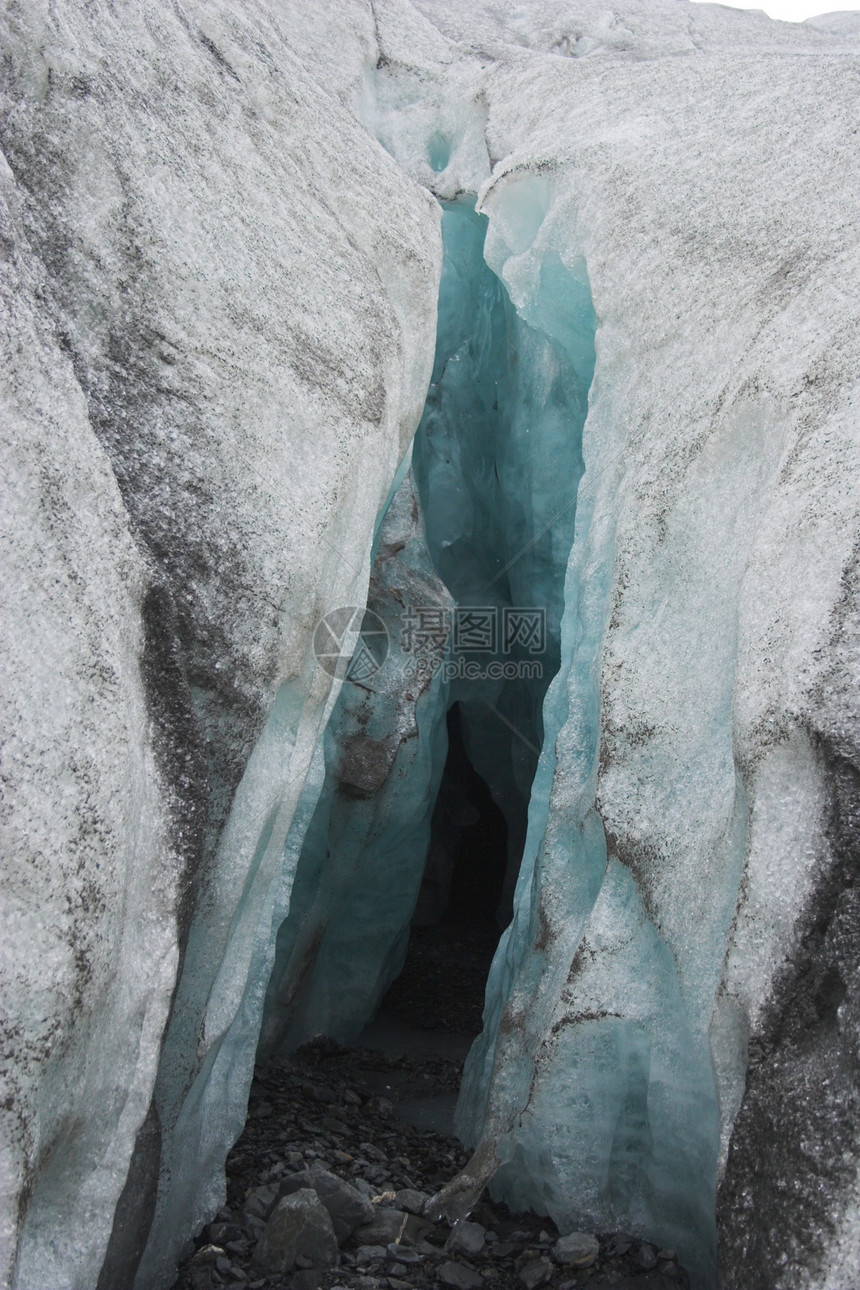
(407, 867)
(428, 833)
(456, 925)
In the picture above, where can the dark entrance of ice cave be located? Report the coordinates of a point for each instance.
(425, 829)
(458, 918)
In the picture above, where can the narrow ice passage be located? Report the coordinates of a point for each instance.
(592, 1095)
(496, 463)
(497, 460)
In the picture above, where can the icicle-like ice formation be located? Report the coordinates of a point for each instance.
(361, 864)
(498, 461)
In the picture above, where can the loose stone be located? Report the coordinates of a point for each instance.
(577, 1248)
(459, 1276)
(466, 1238)
(646, 1257)
(536, 1273)
(299, 1227)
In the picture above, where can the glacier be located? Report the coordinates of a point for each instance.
(362, 858)
(496, 461)
(618, 245)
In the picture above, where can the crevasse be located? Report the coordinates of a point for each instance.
(497, 460)
(589, 1083)
(591, 1089)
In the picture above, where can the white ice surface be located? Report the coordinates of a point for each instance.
(91, 870)
(246, 283)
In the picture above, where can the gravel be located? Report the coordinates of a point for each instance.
(317, 1123)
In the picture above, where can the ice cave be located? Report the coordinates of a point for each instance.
(430, 647)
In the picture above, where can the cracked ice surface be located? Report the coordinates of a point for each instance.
(244, 285)
(685, 895)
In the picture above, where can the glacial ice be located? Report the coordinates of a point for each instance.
(617, 1026)
(245, 287)
(89, 952)
(223, 334)
(594, 1078)
(358, 875)
(497, 461)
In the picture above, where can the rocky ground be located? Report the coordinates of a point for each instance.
(326, 1188)
(441, 987)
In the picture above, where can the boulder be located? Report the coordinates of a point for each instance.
(579, 1249)
(299, 1227)
(347, 1207)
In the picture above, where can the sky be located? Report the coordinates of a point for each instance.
(788, 10)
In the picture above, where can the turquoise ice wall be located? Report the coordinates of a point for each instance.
(498, 459)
